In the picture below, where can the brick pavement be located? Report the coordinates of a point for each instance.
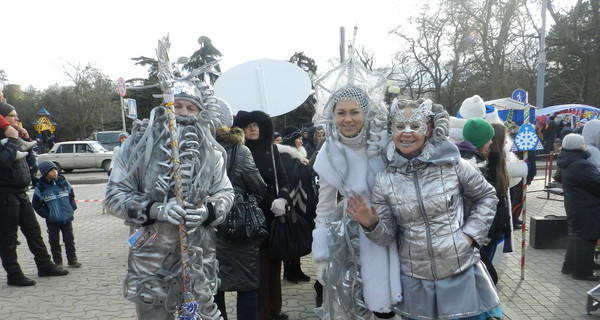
(94, 291)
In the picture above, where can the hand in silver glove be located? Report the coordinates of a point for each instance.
(194, 215)
(170, 212)
(278, 206)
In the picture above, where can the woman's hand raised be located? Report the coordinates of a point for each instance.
(359, 210)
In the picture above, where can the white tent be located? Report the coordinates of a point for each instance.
(504, 105)
(554, 109)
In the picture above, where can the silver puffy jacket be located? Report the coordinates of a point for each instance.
(421, 202)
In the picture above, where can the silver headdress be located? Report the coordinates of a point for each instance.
(426, 113)
(352, 81)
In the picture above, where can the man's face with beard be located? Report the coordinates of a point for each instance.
(186, 112)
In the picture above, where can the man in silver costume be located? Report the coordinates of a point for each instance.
(141, 190)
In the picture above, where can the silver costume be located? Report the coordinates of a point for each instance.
(421, 205)
(348, 165)
(142, 175)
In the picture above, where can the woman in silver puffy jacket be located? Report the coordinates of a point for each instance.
(418, 200)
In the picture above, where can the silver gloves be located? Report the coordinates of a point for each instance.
(173, 213)
(170, 212)
(194, 216)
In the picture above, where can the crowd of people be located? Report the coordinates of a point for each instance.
(406, 217)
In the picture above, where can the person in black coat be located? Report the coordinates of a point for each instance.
(17, 211)
(239, 268)
(295, 161)
(581, 185)
(549, 134)
(258, 129)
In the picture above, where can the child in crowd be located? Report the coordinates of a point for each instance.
(54, 200)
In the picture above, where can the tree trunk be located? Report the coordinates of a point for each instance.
(590, 88)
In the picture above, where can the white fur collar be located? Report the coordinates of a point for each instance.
(299, 154)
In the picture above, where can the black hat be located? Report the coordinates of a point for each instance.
(5, 109)
(289, 134)
(243, 118)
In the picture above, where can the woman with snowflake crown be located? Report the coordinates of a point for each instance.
(156, 193)
(358, 276)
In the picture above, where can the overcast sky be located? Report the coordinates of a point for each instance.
(40, 38)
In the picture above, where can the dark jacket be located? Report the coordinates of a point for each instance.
(501, 224)
(265, 155)
(581, 185)
(14, 174)
(298, 175)
(310, 142)
(239, 261)
(54, 200)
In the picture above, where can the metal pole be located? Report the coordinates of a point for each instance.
(524, 201)
(123, 113)
(342, 44)
(539, 93)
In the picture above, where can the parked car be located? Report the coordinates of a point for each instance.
(69, 155)
(109, 139)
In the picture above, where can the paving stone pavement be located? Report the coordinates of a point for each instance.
(94, 291)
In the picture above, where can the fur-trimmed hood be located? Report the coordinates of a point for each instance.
(233, 135)
(299, 154)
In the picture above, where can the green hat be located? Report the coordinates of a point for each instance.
(478, 131)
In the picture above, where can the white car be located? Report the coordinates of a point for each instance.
(69, 155)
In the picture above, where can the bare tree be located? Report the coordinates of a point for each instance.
(92, 102)
(427, 50)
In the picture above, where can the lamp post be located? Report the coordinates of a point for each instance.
(539, 92)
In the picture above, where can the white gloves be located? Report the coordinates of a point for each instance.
(173, 213)
(278, 206)
(322, 267)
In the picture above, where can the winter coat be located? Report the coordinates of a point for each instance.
(591, 135)
(239, 261)
(501, 224)
(14, 174)
(298, 175)
(581, 185)
(310, 142)
(420, 203)
(54, 200)
(267, 159)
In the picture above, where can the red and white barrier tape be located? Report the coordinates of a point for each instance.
(94, 200)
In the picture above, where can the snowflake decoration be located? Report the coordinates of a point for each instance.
(526, 139)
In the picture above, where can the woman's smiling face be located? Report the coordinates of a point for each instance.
(349, 117)
(408, 139)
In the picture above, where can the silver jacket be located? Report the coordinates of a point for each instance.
(421, 202)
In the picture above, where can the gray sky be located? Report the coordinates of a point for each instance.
(40, 37)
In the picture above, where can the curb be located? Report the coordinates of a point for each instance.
(88, 181)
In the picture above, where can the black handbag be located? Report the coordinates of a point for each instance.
(246, 220)
(290, 237)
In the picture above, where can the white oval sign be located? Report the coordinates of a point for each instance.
(273, 86)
